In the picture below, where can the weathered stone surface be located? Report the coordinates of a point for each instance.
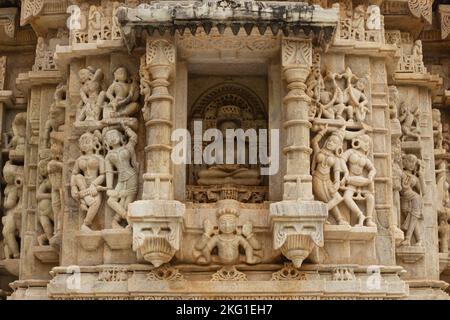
(122, 181)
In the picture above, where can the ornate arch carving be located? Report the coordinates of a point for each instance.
(253, 110)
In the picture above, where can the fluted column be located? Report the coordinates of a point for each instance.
(296, 62)
(160, 61)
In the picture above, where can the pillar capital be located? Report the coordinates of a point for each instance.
(296, 52)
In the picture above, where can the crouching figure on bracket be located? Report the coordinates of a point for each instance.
(227, 240)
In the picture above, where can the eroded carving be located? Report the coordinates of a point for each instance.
(349, 103)
(12, 204)
(413, 186)
(94, 23)
(2, 72)
(92, 97)
(113, 274)
(166, 273)
(409, 121)
(44, 199)
(56, 114)
(287, 273)
(44, 57)
(228, 117)
(361, 23)
(437, 130)
(55, 172)
(229, 273)
(17, 144)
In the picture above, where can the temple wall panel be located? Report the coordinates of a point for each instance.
(353, 97)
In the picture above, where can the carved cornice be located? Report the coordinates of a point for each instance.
(421, 9)
(264, 45)
(30, 8)
(418, 8)
(286, 17)
(444, 17)
(34, 8)
(8, 22)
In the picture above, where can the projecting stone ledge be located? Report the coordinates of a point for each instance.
(289, 17)
(297, 228)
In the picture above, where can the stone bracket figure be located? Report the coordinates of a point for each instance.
(227, 240)
(88, 175)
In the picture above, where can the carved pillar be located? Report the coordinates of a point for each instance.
(296, 62)
(297, 221)
(37, 258)
(160, 61)
(157, 220)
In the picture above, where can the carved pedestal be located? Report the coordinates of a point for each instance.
(346, 244)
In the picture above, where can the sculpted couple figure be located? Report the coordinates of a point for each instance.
(92, 169)
(351, 172)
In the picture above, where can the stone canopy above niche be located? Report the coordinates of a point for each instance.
(289, 17)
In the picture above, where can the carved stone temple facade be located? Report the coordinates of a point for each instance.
(350, 100)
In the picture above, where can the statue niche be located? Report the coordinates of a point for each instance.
(227, 107)
(228, 117)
